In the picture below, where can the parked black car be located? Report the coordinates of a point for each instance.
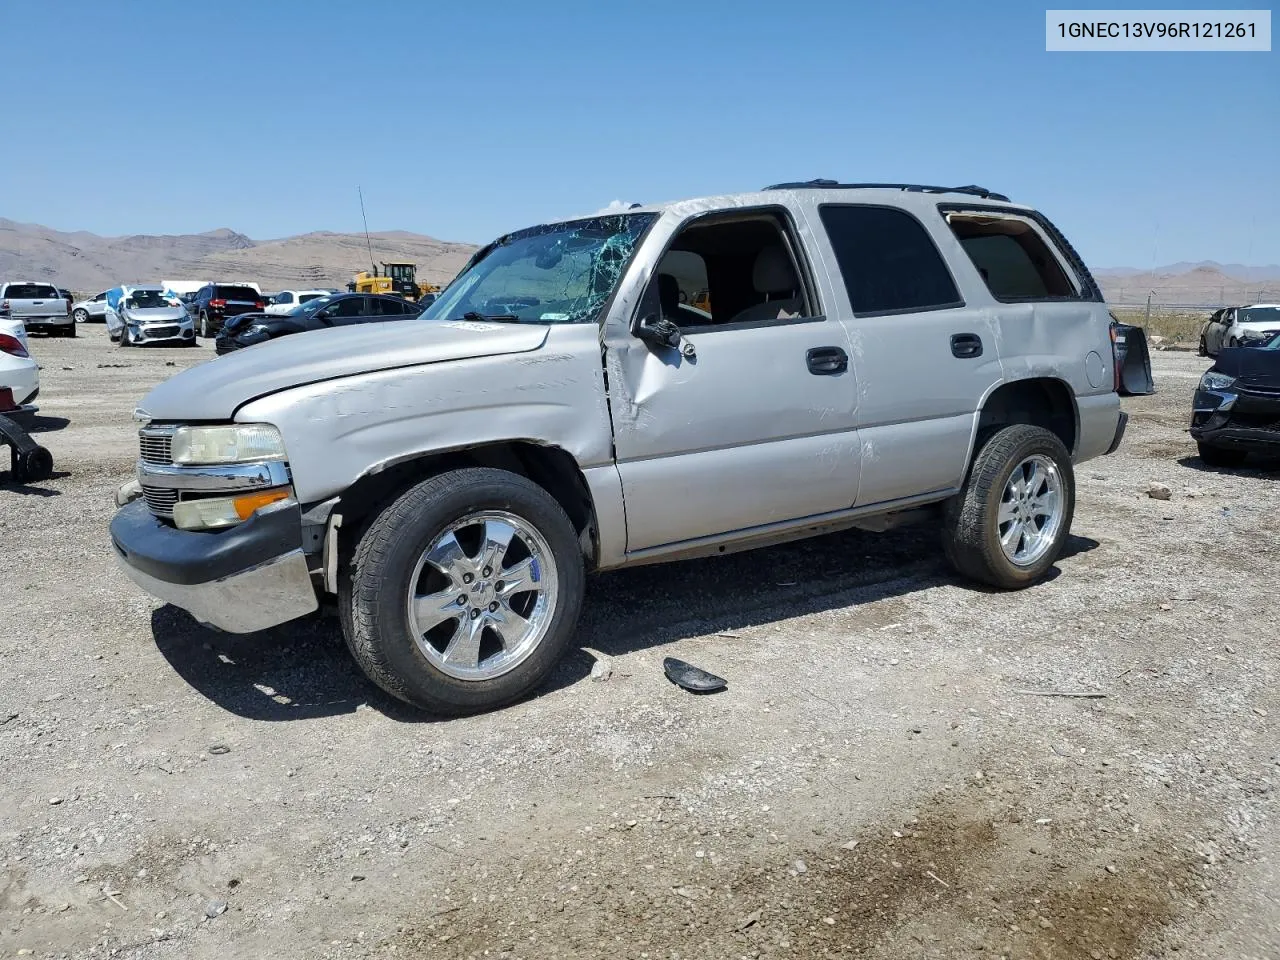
(338, 310)
(1236, 408)
(215, 302)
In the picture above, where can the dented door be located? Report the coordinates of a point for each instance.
(742, 435)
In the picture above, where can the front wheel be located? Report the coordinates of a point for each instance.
(1204, 348)
(204, 326)
(1233, 343)
(1221, 456)
(464, 593)
(126, 340)
(1011, 518)
(81, 315)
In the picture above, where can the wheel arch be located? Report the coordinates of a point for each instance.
(551, 467)
(1047, 402)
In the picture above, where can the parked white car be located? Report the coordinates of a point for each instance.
(94, 308)
(146, 314)
(284, 301)
(19, 373)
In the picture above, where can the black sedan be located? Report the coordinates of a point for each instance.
(1237, 406)
(338, 310)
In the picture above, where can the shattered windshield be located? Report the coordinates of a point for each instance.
(558, 273)
(146, 299)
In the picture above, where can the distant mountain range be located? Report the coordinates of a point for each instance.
(86, 263)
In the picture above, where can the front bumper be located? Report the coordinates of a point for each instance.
(246, 578)
(163, 333)
(1244, 420)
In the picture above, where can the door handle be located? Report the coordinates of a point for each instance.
(966, 346)
(825, 361)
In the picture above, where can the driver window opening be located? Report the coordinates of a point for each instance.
(738, 271)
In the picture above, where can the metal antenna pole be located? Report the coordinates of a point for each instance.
(368, 242)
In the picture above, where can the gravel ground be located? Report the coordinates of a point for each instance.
(876, 781)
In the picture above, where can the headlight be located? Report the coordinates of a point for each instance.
(238, 443)
(217, 512)
(1216, 381)
(258, 328)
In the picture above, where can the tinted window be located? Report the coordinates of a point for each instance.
(350, 307)
(237, 293)
(387, 308)
(31, 291)
(308, 297)
(888, 261)
(1012, 257)
(284, 298)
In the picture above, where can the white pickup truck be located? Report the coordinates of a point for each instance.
(38, 305)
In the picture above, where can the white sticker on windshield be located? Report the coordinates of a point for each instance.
(554, 317)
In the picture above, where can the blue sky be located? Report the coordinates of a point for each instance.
(463, 120)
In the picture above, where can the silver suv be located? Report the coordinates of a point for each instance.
(646, 385)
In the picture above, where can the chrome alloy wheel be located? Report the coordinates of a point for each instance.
(1031, 510)
(482, 595)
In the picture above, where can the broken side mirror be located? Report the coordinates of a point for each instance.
(650, 326)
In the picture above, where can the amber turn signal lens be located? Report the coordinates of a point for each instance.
(245, 506)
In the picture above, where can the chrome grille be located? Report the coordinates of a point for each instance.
(155, 445)
(160, 500)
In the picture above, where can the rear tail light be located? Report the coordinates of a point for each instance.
(218, 303)
(4, 308)
(12, 346)
(1116, 380)
(260, 305)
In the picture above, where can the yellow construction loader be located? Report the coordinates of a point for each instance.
(398, 279)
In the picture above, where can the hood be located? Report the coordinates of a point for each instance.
(1250, 365)
(156, 314)
(242, 320)
(215, 390)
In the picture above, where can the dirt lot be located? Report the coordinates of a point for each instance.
(875, 782)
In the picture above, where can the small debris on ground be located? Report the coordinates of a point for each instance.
(218, 749)
(215, 908)
(1158, 491)
(691, 678)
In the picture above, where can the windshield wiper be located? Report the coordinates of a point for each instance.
(476, 317)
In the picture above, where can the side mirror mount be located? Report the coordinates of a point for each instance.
(650, 326)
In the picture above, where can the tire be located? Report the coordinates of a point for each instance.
(33, 466)
(1233, 342)
(81, 315)
(375, 587)
(204, 326)
(1204, 348)
(125, 339)
(69, 331)
(1225, 457)
(972, 524)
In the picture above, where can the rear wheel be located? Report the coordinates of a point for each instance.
(204, 326)
(81, 315)
(69, 331)
(1009, 522)
(1204, 347)
(1221, 456)
(463, 593)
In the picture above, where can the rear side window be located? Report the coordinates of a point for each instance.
(237, 293)
(386, 308)
(1013, 258)
(888, 260)
(283, 298)
(31, 291)
(308, 297)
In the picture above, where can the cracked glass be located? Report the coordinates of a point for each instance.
(555, 273)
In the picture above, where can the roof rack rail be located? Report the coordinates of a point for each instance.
(822, 184)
